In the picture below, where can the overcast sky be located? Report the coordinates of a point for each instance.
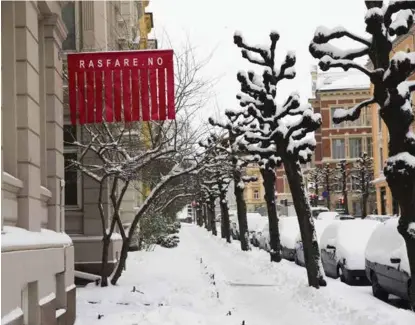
(210, 25)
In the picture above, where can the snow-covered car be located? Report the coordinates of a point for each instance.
(289, 232)
(319, 225)
(256, 224)
(234, 226)
(315, 211)
(263, 238)
(327, 215)
(342, 247)
(343, 216)
(387, 265)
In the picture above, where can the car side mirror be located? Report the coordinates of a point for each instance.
(395, 260)
(330, 247)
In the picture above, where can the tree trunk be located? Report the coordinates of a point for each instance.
(225, 219)
(204, 216)
(106, 241)
(328, 190)
(207, 217)
(122, 262)
(211, 213)
(365, 196)
(199, 217)
(407, 218)
(403, 190)
(242, 219)
(306, 223)
(274, 232)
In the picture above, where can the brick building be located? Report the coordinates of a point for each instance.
(333, 90)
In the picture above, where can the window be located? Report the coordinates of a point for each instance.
(355, 147)
(369, 147)
(334, 125)
(256, 195)
(338, 148)
(68, 17)
(71, 174)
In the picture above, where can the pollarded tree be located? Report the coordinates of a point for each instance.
(239, 160)
(218, 173)
(363, 179)
(391, 92)
(286, 132)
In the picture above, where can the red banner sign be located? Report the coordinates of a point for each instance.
(121, 86)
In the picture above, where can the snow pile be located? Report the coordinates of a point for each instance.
(386, 243)
(289, 231)
(352, 238)
(15, 238)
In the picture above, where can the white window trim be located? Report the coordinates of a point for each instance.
(67, 149)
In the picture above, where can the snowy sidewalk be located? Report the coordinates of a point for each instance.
(206, 281)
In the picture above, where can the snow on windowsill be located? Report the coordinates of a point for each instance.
(14, 314)
(60, 312)
(11, 183)
(15, 238)
(47, 299)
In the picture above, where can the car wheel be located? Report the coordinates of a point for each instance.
(344, 275)
(377, 290)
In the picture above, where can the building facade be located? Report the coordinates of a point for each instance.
(95, 26)
(37, 256)
(254, 191)
(335, 142)
(384, 200)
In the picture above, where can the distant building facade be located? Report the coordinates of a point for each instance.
(348, 140)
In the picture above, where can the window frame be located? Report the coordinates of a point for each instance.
(350, 147)
(255, 194)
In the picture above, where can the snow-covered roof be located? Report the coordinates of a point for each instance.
(342, 80)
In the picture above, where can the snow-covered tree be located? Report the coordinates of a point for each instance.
(284, 134)
(316, 179)
(219, 171)
(239, 160)
(326, 172)
(391, 92)
(341, 182)
(363, 179)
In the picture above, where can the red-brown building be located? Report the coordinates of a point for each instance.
(333, 90)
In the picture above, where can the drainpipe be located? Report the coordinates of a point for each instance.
(62, 205)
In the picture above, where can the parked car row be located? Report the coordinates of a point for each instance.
(358, 252)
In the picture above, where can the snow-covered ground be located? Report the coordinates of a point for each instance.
(206, 281)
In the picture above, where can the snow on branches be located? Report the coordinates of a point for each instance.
(276, 134)
(391, 90)
(272, 131)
